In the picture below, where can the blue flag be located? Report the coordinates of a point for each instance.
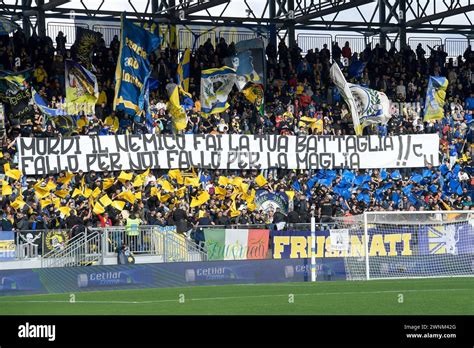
(133, 68)
(427, 173)
(348, 176)
(395, 197)
(407, 190)
(396, 175)
(416, 178)
(443, 169)
(296, 186)
(363, 197)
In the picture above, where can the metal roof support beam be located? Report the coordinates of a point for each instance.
(50, 6)
(440, 15)
(402, 23)
(334, 9)
(41, 19)
(203, 5)
(382, 20)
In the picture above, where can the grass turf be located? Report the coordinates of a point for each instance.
(441, 296)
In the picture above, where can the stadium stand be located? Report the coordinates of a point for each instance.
(297, 88)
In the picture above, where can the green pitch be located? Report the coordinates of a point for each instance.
(387, 297)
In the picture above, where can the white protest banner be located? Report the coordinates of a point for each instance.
(39, 156)
(339, 239)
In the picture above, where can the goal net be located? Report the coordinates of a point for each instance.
(408, 244)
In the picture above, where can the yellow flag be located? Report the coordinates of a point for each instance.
(51, 186)
(118, 205)
(191, 182)
(96, 192)
(250, 198)
(6, 190)
(154, 191)
(260, 180)
(107, 183)
(167, 186)
(124, 177)
(6, 167)
(45, 202)
(66, 211)
(98, 208)
(176, 174)
(41, 192)
(251, 206)
(138, 181)
(87, 192)
(200, 200)
(234, 212)
(201, 214)
(290, 194)
(176, 110)
(66, 179)
(180, 192)
(220, 191)
(76, 192)
(163, 198)
(145, 173)
(105, 200)
(18, 203)
(138, 196)
(244, 187)
(223, 181)
(237, 181)
(38, 184)
(61, 193)
(13, 173)
(57, 202)
(128, 196)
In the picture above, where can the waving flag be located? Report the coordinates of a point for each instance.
(177, 112)
(133, 68)
(82, 90)
(339, 80)
(86, 41)
(7, 26)
(216, 85)
(15, 94)
(372, 106)
(184, 70)
(435, 96)
(254, 94)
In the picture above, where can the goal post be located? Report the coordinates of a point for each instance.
(418, 244)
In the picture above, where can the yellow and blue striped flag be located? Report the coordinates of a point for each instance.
(183, 70)
(435, 96)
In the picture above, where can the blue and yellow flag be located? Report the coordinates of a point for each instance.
(184, 69)
(216, 85)
(15, 95)
(176, 110)
(84, 46)
(435, 96)
(82, 90)
(254, 93)
(133, 68)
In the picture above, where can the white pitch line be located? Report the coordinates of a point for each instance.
(237, 297)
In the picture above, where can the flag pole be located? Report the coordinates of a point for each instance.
(313, 247)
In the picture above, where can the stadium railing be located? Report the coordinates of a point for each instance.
(152, 240)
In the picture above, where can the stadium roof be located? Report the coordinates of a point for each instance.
(283, 17)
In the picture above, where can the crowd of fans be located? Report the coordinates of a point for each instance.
(297, 88)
